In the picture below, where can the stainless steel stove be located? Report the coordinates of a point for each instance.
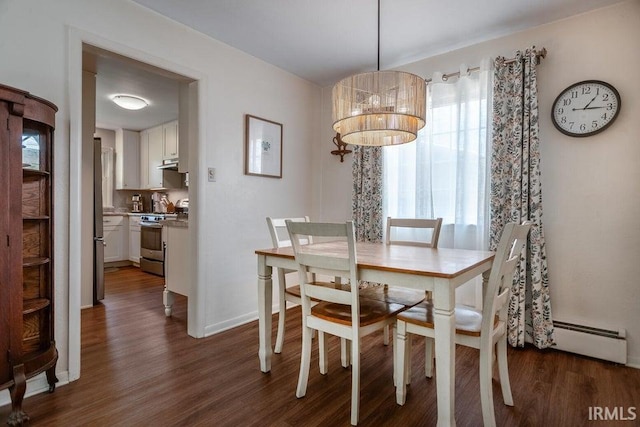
(151, 245)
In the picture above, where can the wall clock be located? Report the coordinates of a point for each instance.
(586, 108)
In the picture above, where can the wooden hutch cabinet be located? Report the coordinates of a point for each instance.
(27, 346)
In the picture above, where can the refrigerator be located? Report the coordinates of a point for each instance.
(98, 237)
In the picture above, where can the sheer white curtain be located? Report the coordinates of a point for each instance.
(445, 172)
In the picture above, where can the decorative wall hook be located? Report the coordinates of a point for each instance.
(342, 147)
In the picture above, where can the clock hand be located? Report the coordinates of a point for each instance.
(586, 108)
(589, 103)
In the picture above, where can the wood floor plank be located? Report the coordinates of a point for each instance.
(141, 368)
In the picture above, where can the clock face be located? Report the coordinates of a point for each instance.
(586, 108)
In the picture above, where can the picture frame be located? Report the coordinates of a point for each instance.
(262, 147)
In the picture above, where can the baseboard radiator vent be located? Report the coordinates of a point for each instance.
(593, 342)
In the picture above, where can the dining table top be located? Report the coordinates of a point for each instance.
(422, 261)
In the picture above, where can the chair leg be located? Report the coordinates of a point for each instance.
(385, 335)
(345, 350)
(503, 369)
(282, 310)
(305, 361)
(428, 357)
(324, 353)
(402, 359)
(486, 390)
(355, 380)
(407, 370)
(281, 322)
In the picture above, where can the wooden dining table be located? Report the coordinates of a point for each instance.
(440, 271)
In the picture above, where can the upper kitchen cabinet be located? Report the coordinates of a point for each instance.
(127, 160)
(170, 141)
(152, 143)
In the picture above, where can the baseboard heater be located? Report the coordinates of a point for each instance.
(593, 342)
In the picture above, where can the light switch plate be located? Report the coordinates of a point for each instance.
(212, 175)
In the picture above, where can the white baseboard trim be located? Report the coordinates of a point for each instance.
(240, 320)
(36, 385)
(229, 324)
(633, 362)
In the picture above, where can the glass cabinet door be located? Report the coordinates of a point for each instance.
(34, 146)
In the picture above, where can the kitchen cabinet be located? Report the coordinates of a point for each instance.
(127, 160)
(151, 156)
(27, 341)
(170, 140)
(177, 279)
(116, 238)
(134, 239)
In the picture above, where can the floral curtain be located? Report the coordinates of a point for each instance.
(516, 193)
(366, 203)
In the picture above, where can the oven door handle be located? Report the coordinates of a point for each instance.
(150, 224)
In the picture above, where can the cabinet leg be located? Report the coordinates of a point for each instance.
(51, 378)
(167, 298)
(17, 416)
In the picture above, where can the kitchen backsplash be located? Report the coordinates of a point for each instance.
(122, 198)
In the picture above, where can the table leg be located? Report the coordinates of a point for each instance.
(445, 329)
(264, 313)
(168, 299)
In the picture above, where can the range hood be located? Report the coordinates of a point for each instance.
(171, 164)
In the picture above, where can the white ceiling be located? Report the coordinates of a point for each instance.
(119, 75)
(326, 40)
(321, 41)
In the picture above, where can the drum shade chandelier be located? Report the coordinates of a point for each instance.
(379, 107)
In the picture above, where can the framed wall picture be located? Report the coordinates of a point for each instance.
(262, 147)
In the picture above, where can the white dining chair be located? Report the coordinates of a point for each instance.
(418, 232)
(280, 239)
(483, 330)
(340, 311)
(429, 239)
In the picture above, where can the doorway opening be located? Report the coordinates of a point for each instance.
(133, 187)
(148, 179)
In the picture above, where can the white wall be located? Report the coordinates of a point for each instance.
(590, 185)
(230, 222)
(107, 137)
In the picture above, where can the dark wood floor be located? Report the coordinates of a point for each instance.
(141, 368)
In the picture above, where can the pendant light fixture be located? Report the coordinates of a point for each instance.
(379, 107)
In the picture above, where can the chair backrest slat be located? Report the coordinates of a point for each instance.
(417, 223)
(328, 294)
(278, 230)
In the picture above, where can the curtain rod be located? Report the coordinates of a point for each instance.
(539, 54)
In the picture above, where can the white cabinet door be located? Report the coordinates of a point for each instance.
(134, 239)
(115, 231)
(144, 159)
(177, 277)
(151, 143)
(155, 157)
(170, 142)
(127, 160)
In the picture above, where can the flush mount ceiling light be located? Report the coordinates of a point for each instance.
(129, 102)
(379, 107)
